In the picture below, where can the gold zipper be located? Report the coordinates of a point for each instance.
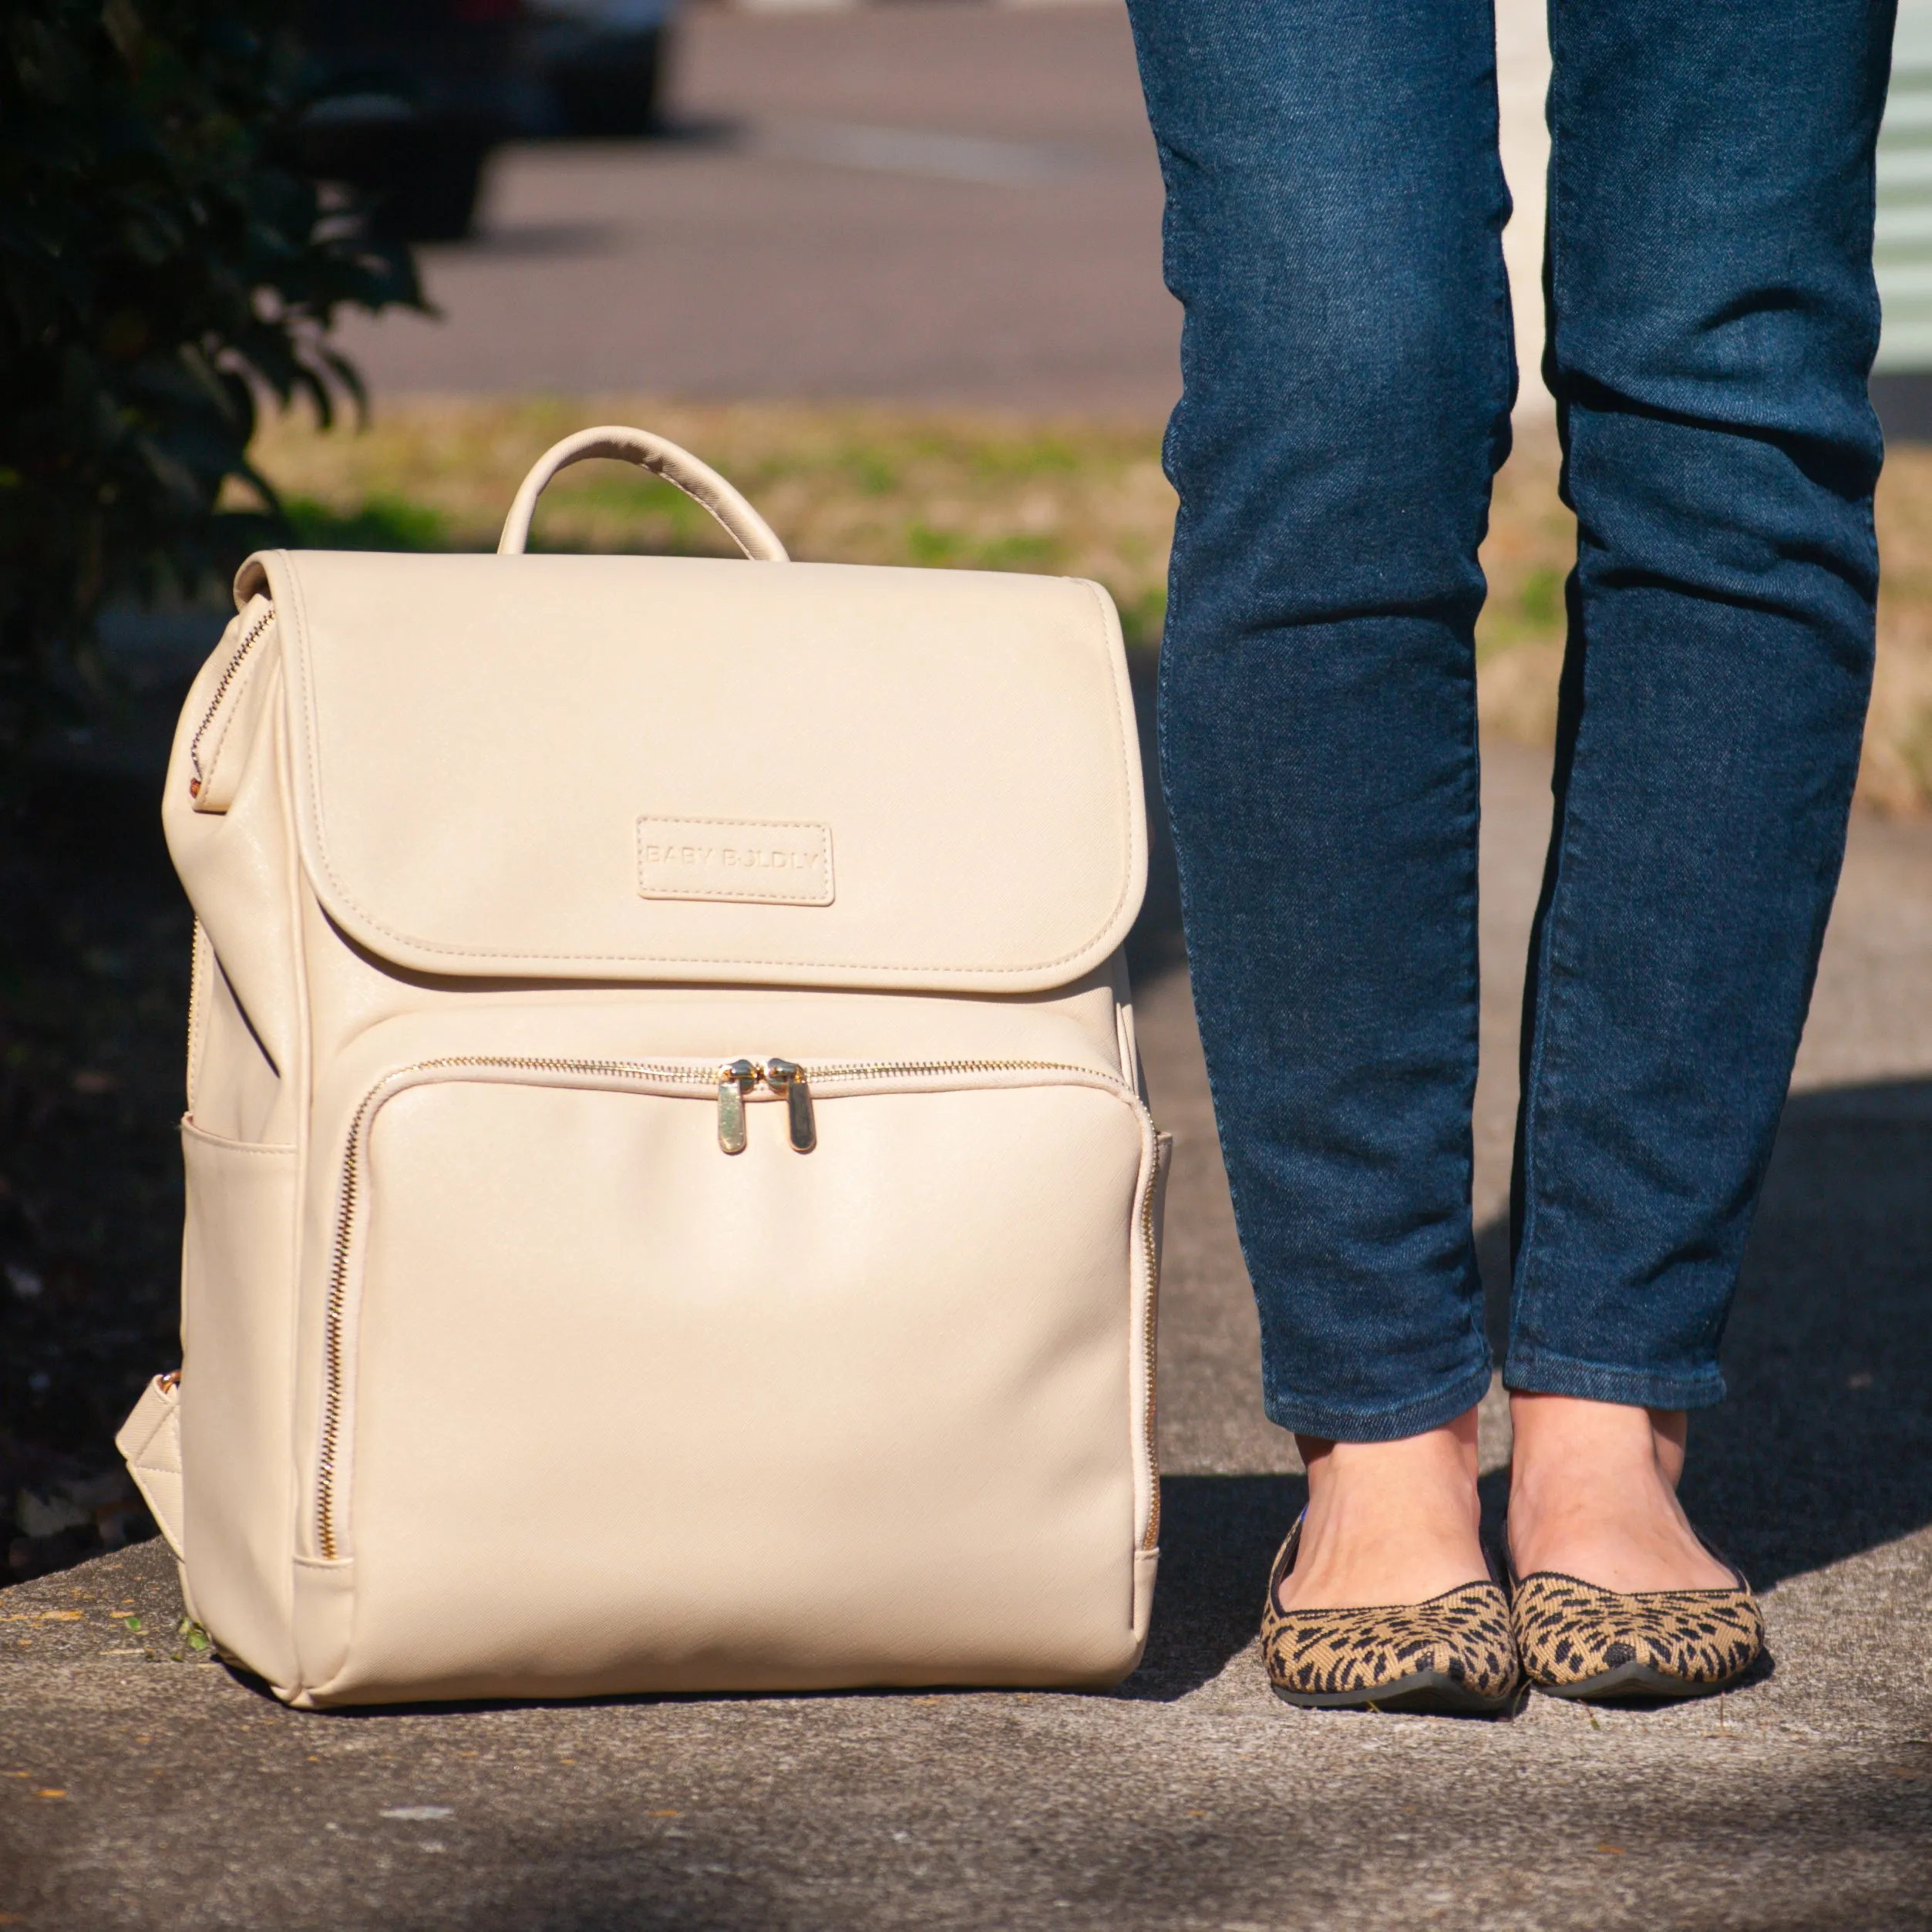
(230, 671)
(1150, 1539)
(735, 1080)
(787, 1079)
(197, 1001)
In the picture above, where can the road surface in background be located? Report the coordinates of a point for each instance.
(937, 204)
(944, 203)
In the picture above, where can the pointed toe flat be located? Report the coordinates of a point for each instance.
(1451, 1653)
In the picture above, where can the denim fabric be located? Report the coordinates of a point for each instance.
(1335, 211)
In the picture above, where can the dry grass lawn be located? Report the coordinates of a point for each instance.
(982, 491)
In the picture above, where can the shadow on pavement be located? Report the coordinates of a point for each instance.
(1824, 1450)
(1219, 1534)
(1824, 1446)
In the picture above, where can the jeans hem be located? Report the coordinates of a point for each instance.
(1335, 1424)
(1536, 1372)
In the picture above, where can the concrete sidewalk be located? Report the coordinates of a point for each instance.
(141, 1785)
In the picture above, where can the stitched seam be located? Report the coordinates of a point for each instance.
(1657, 1388)
(1291, 1398)
(311, 813)
(138, 1459)
(1539, 1097)
(762, 825)
(1469, 898)
(190, 1125)
(724, 895)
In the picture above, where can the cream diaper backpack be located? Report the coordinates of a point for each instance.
(671, 1205)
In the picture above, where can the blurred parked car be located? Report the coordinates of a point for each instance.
(406, 98)
(600, 63)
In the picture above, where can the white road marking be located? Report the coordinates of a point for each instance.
(927, 152)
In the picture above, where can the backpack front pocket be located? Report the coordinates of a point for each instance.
(679, 1376)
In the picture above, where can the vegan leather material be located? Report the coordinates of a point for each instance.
(697, 480)
(539, 1339)
(150, 1442)
(472, 780)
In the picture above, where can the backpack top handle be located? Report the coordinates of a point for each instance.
(697, 480)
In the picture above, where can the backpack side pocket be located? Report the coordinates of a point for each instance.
(237, 1288)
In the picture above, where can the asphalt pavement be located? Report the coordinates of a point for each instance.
(940, 202)
(930, 203)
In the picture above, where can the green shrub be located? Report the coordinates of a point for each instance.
(159, 273)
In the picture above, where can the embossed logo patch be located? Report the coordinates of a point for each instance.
(780, 863)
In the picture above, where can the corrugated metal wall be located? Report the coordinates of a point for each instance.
(1903, 255)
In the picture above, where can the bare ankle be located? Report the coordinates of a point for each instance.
(1593, 1493)
(1448, 1452)
(1560, 1438)
(1392, 1521)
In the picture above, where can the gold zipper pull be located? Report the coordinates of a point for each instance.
(787, 1077)
(734, 1082)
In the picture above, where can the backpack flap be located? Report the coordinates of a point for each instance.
(675, 769)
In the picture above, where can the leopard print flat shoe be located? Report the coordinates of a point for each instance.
(1577, 1640)
(1452, 1653)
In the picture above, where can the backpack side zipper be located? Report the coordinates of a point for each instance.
(230, 671)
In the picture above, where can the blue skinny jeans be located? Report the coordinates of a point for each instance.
(1335, 206)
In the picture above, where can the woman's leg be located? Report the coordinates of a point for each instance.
(1335, 210)
(1713, 318)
